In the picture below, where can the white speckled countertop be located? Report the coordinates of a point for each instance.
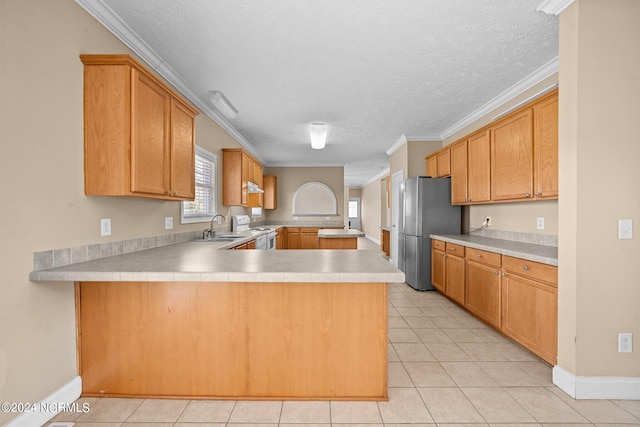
(528, 251)
(208, 261)
(339, 233)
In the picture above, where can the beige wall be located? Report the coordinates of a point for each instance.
(371, 213)
(599, 108)
(416, 153)
(44, 205)
(291, 178)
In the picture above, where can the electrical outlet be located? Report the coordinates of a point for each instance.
(540, 223)
(168, 222)
(625, 343)
(625, 229)
(105, 227)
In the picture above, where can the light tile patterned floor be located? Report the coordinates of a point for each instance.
(445, 368)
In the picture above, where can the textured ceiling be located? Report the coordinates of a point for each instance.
(373, 70)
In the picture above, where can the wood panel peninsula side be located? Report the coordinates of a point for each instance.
(191, 321)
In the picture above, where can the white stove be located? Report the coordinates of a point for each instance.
(267, 241)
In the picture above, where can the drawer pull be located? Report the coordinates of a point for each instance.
(479, 255)
(526, 267)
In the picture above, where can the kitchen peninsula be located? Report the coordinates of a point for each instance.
(190, 320)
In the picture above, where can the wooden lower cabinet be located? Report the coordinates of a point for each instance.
(293, 237)
(338, 243)
(482, 286)
(516, 297)
(438, 269)
(242, 340)
(309, 238)
(530, 306)
(385, 243)
(455, 272)
(281, 238)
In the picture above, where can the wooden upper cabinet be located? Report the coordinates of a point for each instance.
(270, 200)
(439, 163)
(238, 168)
(545, 116)
(444, 162)
(479, 152)
(150, 115)
(138, 133)
(432, 165)
(512, 157)
(182, 152)
(459, 175)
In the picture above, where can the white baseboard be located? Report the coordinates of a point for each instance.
(66, 394)
(622, 388)
(373, 239)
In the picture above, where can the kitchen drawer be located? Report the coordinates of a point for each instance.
(531, 269)
(437, 244)
(484, 257)
(308, 229)
(453, 249)
(293, 229)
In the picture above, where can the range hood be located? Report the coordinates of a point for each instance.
(252, 187)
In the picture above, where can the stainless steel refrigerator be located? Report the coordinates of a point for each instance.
(425, 208)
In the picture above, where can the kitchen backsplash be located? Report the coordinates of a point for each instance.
(538, 239)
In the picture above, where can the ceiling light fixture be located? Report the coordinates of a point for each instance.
(318, 133)
(222, 104)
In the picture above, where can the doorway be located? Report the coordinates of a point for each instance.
(396, 182)
(354, 213)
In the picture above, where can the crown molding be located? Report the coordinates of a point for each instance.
(399, 143)
(303, 165)
(380, 175)
(554, 7)
(112, 22)
(424, 138)
(547, 70)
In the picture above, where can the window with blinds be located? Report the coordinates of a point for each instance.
(204, 206)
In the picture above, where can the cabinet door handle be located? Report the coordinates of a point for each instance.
(495, 272)
(537, 194)
(526, 267)
(527, 195)
(504, 274)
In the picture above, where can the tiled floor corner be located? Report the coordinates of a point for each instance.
(446, 368)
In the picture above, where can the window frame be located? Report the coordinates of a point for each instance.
(203, 217)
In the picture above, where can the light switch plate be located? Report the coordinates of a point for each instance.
(625, 229)
(168, 222)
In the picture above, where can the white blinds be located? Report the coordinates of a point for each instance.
(205, 179)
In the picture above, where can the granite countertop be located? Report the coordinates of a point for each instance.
(204, 261)
(529, 251)
(339, 233)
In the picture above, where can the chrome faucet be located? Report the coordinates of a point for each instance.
(209, 231)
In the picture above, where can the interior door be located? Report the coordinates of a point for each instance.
(396, 182)
(354, 213)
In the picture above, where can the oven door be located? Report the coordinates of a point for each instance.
(271, 241)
